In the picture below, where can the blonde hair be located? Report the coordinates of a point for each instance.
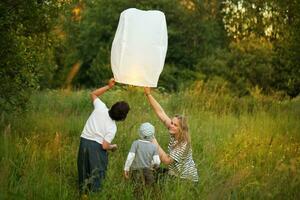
(184, 135)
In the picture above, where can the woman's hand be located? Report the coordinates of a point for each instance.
(164, 157)
(111, 83)
(154, 141)
(159, 111)
(147, 90)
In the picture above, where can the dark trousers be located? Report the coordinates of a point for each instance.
(142, 176)
(143, 180)
(92, 164)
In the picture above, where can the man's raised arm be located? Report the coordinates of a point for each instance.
(98, 92)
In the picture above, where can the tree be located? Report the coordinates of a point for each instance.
(264, 49)
(25, 49)
(287, 60)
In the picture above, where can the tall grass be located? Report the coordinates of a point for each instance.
(244, 148)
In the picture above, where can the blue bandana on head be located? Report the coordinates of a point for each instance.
(147, 131)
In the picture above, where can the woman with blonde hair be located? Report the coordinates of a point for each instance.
(179, 160)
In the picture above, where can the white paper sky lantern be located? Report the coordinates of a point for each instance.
(139, 47)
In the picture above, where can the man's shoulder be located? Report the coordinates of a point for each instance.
(99, 104)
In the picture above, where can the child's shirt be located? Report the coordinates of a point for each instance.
(142, 154)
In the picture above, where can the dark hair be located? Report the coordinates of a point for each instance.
(119, 111)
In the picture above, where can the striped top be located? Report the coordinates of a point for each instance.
(183, 165)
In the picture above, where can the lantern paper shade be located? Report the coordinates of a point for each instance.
(139, 48)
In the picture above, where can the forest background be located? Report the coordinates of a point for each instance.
(245, 45)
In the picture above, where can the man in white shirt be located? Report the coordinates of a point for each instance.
(97, 135)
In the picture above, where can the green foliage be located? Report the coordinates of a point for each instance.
(26, 50)
(90, 39)
(275, 21)
(244, 65)
(287, 63)
(173, 78)
(17, 78)
(262, 19)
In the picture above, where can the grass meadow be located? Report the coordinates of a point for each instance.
(244, 148)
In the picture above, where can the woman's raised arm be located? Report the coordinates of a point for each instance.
(159, 111)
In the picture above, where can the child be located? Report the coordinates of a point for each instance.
(142, 156)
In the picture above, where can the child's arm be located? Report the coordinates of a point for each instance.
(130, 159)
(128, 163)
(155, 158)
(156, 161)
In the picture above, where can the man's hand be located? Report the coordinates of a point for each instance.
(113, 147)
(107, 146)
(96, 93)
(111, 82)
(126, 174)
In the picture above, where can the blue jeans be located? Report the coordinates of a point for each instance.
(92, 164)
